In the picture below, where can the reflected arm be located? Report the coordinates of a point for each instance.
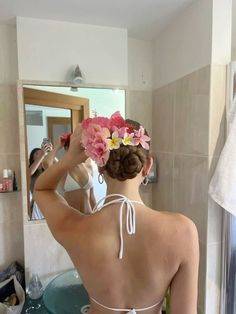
(50, 157)
(58, 213)
(34, 166)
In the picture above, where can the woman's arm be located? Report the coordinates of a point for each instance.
(58, 213)
(50, 158)
(34, 166)
(184, 286)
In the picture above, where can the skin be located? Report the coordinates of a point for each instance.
(80, 199)
(38, 157)
(163, 252)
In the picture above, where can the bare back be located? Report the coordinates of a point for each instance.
(152, 257)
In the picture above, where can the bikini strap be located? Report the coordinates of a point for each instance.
(130, 215)
(128, 311)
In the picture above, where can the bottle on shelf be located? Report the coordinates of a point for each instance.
(10, 178)
(15, 188)
(5, 181)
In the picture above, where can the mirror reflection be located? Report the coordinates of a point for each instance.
(51, 114)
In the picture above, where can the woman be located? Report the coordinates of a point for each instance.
(36, 158)
(127, 254)
(77, 184)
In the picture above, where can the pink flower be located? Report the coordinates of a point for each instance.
(64, 137)
(102, 121)
(141, 138)
(117, 120)
(94, 140)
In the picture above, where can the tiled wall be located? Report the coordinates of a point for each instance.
(11, 224)
(187, 135)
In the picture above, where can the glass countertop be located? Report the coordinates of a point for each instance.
(65, 294)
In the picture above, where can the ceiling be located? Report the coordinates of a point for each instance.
(144, 19)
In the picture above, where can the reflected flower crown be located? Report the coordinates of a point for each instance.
(100, 135)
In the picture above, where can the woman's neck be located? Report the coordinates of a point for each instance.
(128, 188)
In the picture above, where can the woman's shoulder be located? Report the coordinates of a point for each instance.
(177, 224)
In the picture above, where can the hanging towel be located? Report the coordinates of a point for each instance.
(223, 183)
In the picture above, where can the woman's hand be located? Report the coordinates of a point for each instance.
(76, 153)
(46, 148)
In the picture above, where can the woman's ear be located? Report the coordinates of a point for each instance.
(148, 165)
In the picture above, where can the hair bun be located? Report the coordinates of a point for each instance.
(126, 162)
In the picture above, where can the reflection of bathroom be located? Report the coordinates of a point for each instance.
(175, 86)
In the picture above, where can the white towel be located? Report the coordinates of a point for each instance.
(223, 183)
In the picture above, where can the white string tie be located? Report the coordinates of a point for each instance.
(130, 216)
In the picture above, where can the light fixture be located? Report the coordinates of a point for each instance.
(76, 78)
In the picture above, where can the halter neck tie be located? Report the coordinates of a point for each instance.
(130, 217)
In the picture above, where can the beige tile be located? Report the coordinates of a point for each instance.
(191, 190)
(162, 191)
(11, 208)
(217, 116)
(139, 108)
(163, 118)
(11, 243)
(9, 130)
(192, 113)
(45, 262)
(213, 278)
(191, 125)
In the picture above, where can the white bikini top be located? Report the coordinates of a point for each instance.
(71, 184)
(130, 228)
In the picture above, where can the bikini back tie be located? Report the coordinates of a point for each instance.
(130, 215)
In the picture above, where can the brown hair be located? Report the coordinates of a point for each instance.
(127, 161)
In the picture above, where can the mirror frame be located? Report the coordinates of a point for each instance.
(23, 134)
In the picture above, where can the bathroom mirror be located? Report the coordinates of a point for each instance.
(50, 111)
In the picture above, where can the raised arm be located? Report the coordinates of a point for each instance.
(36, 163)
(58, 213)
(50, 158)
(184, 286)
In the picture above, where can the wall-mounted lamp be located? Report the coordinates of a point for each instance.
(76, 78)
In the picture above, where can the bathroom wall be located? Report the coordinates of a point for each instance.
(185, 45)
(11, 222)
(101, 52)
(181, 117)
(139, 98)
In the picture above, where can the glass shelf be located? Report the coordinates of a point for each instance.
(65, 294)
(7, 192)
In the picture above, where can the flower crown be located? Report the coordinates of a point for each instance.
(100, 135)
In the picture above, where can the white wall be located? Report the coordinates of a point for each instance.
(48, 49)
(36, 133)
(140, 62)
(221, 31)
(233, 29)
(185, 45)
